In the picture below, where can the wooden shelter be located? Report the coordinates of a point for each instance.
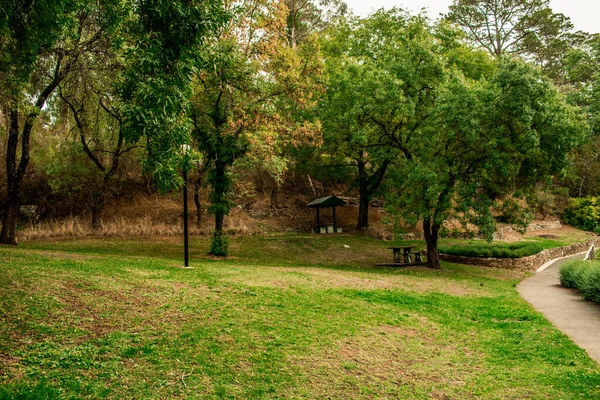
(326, 202)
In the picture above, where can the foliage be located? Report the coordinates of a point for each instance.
(306, 17)
(29, 82)
(584, 213)
(161, 59)
(527, 27)
(494, 250)
(583, 276)
(582, 78)
(489, 139)
(28, 29)
(252, 98)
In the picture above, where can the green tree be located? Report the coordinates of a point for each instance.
(527, 27)
(308, 16)
(89, 95)
(248, 96)
(490, 139)
(360, 88)
(582, 85)
(39, 43)
(162, 49)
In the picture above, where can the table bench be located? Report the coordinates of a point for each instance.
(403, 254)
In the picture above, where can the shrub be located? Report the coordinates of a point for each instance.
(583, 276)
(571, 275)
(584, 213)
(495, 250)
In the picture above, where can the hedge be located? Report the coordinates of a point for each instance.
(496, 250)
(583, 276)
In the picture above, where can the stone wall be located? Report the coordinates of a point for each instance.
(530, 263)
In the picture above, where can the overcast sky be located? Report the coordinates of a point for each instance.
(584, 14)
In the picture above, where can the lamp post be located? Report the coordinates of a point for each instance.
(186, 258)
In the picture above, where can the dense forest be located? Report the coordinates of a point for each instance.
(490, 113)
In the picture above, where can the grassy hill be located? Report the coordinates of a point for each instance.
(291, 316)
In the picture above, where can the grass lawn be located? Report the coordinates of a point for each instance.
(287, 316)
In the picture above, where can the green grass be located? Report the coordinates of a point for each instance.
(288, 316)
(495, 250)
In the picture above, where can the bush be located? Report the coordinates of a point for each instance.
(584, 213)
(583, 276)
(571, 275)
(496, 250)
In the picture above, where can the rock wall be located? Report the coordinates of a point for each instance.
(530, 263)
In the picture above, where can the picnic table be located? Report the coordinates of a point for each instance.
(405, 253)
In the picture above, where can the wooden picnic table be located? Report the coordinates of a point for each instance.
(404, 252)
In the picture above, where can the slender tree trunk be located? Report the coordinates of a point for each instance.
(197, 185)
(219, 191)
(97, 209)
(431, 231)
(274, 196)
(11, 208)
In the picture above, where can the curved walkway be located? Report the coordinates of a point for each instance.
(568, 311)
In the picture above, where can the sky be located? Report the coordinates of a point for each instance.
(584, 14)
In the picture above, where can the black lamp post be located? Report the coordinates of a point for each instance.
(186, 258)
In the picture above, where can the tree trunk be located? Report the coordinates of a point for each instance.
(97, 209)
(363, 209)
(14, 179)
(197, 203)
(275, 196)
(364, 196)
(219, 194)
(10, 220)
(431, 238)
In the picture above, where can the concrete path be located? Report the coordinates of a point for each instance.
(568, 311)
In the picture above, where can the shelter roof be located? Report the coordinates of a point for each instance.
(329, 201)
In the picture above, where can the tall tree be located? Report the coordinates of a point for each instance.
(238, 100)
(308, 16)
(526, 27)
(162, 54)
(582, 84)
(382, 72)
(39, 43)
(89, 95)
(489, 139)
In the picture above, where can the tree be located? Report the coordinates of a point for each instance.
(39, 44)
(382, 72)
(582, 84)
(526, 27)
(490, 139)
(162, 54)
(308, 16)
(238, 101)
(89, 94)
